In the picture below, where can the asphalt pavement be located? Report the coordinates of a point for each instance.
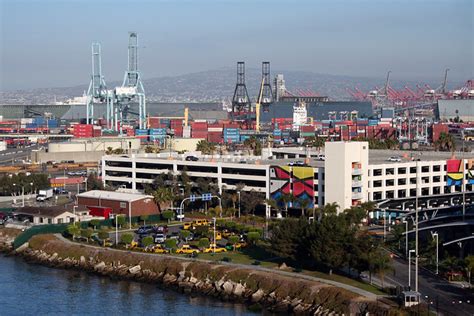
(442, 296)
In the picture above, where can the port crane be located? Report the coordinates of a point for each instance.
(97, 91)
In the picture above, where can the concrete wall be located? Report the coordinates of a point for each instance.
(77, 156)
(95, 144)
(187, 144)
(66, 217)
(344, 161)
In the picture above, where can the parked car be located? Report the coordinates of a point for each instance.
(187, 225)
(159, 238)
(394, 159)
(187, 249)
(174, 235)
(192, 158)
(156, 249)
(321, 157)
(161, 229)
(143, 230)
(214, 248)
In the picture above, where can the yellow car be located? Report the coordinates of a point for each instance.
(218, 234)
(187, 226)
(156, 249)
(217, 249)
(200, 222)
(187, 249)
(107, 242)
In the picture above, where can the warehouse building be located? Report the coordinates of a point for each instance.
(348, 175)
(120, 202)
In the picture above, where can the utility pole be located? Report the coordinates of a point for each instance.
(416, 230)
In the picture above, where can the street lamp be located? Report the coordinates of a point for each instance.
(74, 212)
(409, 267)
(435, 234)
(214, 244)
(238, 192)
(405, 221)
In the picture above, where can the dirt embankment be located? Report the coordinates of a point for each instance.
(275, 292)
(7, 236)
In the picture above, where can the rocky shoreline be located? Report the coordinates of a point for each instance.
(277, 293)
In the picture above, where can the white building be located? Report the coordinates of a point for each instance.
(349, 175)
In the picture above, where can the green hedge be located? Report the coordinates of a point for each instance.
(37, 230)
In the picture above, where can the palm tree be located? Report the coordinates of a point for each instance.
(445, 142)
(330, 209)
(163, 195)
(109, 151)
(205, 147)
(303, 203)
(286, 198)
(271, 203)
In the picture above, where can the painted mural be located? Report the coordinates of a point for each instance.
(297, 181)
(470, 171)
(455, 172)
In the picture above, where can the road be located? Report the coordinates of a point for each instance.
(450, 299)
(16, 155)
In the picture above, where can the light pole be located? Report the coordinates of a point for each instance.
(409, 267)
(384, 225)
(214, 244)
(405, 221)
(435, 234)
(74, 212)
(238, 192)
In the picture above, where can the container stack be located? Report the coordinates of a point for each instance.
(177, 126)
(142, 134)
(83, 131)
(157, 134)
(215, 133)
(231, 135)
(199, 130)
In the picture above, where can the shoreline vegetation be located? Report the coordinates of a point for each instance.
(258, 289)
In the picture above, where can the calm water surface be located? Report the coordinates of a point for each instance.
(27, 289)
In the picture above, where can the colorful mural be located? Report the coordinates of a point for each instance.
(470, 171)
(297, 181)
(455, 172)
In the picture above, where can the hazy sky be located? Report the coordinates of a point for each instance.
(47, 43)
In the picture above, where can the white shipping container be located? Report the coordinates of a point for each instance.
(215, 129)
(26, 121)
(3, 146)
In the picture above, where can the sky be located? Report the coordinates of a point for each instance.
(47, 43)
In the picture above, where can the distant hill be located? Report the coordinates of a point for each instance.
(213, 85)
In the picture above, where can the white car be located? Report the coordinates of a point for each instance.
(321, 157)
(394, 159)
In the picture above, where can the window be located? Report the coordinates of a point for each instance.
(412, 169)
(389, 183)
(123, 204)
(377, 184)
(447, 189)
(425, 169)
(412, 192)
(402, 170)
(60, 220)
(425, 191)
(402, 193)
(50, 221)
(377, 195)
(389, 171)
(377, 172)
(315, 187)
(436, 190)
(390, 194)
(425, 179)
(436, 179)
(412, 180)
(402, 181)
(436, 168)
(41, 220)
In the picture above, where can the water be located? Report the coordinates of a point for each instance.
(27, 289)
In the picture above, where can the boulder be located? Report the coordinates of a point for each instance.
(134, 270)
(100, 266)
(239, 289)
(257, 296)
(228, 287)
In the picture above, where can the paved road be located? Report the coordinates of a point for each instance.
(434, 289)
(350, 288)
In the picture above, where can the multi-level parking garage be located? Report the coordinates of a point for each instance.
(349, 175)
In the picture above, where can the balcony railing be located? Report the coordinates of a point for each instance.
(356, 184)
(357, 195)
(356, 171)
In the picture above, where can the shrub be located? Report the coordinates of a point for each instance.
(144, 218)
(171, 243)
(233, 240)
(73, 230)
(126, 238)
(168, 215)
(253, 237)
(203, 242)
(86, 233)
(226, 259)
(103, 234)
(119, 220)
(184, 234)
(256, 263)
(146, 241)
(230, 225)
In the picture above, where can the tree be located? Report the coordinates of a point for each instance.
(314, 141)
(303, 204)
(126, 239)
(144, 218)
(287, 239)
(185, 234)
(119, 220)
(233, 239)
(445, 142)
(382, 264)
(73, 230)
(330, 209)
(109, 151)
(171, 243)
(285, 199)
(251, 200)
(163, 195)
(93, 182)
(94, 223)
(103, 235)
(203, 243)
(168, 215)
(469, 264)
(86, 233)
(118, 151)
(355, 215)
(146, 241)
(205, 147)
(253, 237)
